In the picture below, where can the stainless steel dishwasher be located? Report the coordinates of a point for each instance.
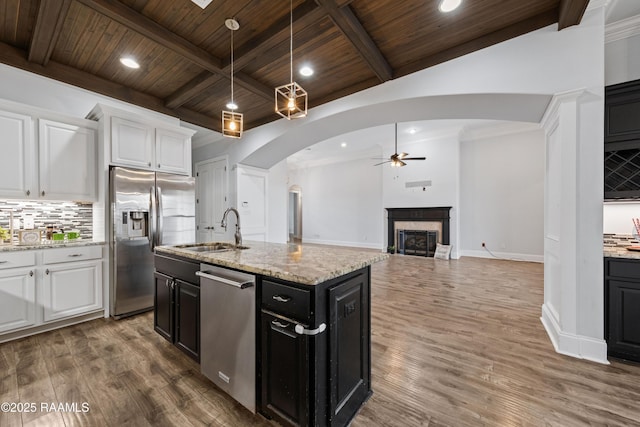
(228, 331)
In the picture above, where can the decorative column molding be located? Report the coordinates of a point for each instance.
(573, 309)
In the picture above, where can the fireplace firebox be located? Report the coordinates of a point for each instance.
(417, 242)
(417, 231)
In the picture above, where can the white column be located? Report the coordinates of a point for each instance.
(573, 309)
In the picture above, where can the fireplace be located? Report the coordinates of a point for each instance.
(417, 231)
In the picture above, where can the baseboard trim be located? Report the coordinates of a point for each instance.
(578, 346)
(502, 255)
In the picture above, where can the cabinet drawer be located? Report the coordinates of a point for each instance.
(53, 256)
(626, 268)
(17, 259)
(177, 268)
(286, 300)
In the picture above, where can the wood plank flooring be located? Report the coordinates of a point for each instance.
(455, 343)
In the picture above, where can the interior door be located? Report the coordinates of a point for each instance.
(211, 199)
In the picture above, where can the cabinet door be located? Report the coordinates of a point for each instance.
(131, 143)
(18, 302)
(187, 312)
(173, 152)
(624, 319)
(285, 370)
(163, 306)
(349, 344)
(71, 289)
(68, 161)
(18, 162)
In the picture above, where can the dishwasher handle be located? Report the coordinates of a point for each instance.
(225, 280)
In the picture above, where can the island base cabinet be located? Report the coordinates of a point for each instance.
(285, 374)
(349, 343)
(176, 315)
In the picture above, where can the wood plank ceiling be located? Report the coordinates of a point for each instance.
(184, 50)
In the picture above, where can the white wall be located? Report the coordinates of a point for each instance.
(502, 196)
(622, 60)
(341, 203)
(441, 168)
(617, 217)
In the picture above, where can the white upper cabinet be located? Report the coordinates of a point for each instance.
(60, 164)
(131, 143)
(18, 157)
(173, 151)
(143, 146)
(68, 161)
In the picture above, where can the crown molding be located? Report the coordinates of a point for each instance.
(595, 4)
(622, 29)
(471, 133)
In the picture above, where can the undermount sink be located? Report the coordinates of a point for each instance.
(215, 247)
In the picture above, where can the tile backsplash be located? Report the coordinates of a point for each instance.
(64, 215)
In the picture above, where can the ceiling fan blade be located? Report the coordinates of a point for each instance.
(414, 158)
(402, 155)
(402, 163)
(378, 164)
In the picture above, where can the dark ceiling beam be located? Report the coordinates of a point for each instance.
(350, 26)
(305, 15)
(51, 16)
(192, 89)
(539, 21)
(571, 12)
(139, 23)
(18, 58)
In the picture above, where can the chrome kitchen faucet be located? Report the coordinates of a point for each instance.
(223, 224)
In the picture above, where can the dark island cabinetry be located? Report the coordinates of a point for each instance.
(622, 307)
(315, 350)
(177, 303)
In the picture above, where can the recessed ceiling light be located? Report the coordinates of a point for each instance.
(449, 5)
(344, 144)
(232, 106)
(128, 61)
(412, 131)
(306, 71)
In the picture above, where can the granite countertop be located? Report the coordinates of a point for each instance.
(304, 264)
(50, 245)
(615, 246)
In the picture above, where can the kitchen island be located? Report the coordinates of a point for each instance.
(312, 324)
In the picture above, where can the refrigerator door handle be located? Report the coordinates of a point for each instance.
(152, 220)
(160, 214)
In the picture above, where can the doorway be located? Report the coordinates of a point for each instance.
(295, 214)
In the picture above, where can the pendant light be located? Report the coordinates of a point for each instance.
(231, 121)
(291, 99)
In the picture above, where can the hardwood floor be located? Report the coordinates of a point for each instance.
(455, 343)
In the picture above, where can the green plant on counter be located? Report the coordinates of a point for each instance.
(4, 234)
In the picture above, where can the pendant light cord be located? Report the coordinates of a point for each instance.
(232, 100)
(291, 39)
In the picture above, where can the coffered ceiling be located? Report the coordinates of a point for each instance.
(184, 51)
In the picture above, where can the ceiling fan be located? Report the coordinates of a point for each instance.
(398, 160)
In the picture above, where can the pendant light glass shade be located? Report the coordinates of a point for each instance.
(232, 122)
(291, 99)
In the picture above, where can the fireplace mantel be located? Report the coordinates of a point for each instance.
(440, 214)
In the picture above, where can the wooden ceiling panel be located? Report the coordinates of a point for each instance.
(425, 31)
(184, 50)
(17, 19)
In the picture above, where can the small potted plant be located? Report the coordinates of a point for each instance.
(391, 249)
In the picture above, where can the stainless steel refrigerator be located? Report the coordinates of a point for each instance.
(147, 209)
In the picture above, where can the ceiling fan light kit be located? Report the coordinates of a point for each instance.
(232, 122)
(291, 99)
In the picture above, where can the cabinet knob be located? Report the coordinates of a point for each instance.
(281, 298)
(31, 273)
(43, 192)
(149, 164)
(47, 271)
(159, 166)
(279, 324)
(28, 192)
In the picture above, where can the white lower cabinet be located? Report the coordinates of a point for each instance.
(40, 287)
(71, 288)
(17, 298)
